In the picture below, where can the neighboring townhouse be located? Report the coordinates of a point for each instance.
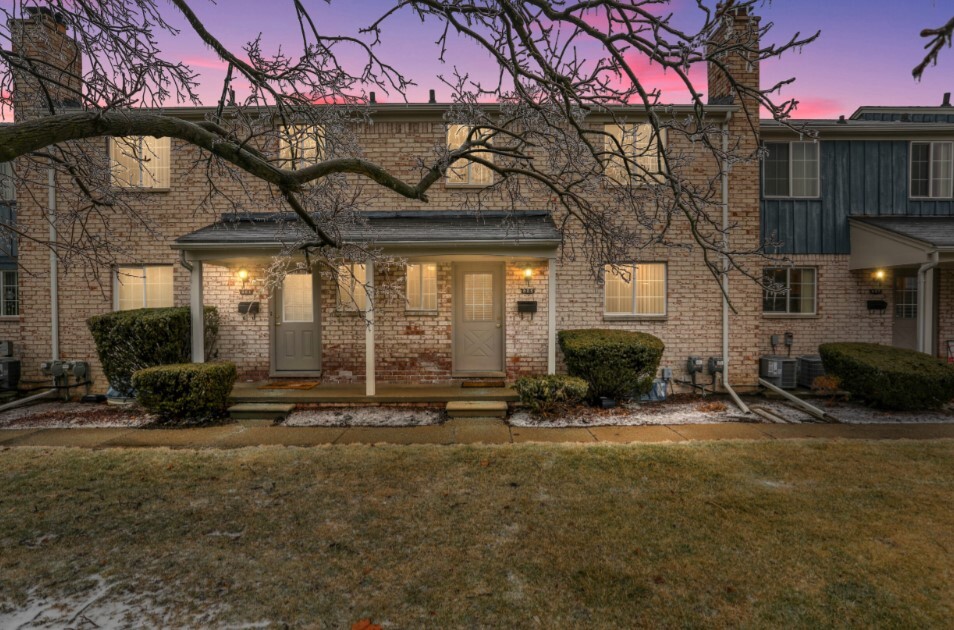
(866, 215)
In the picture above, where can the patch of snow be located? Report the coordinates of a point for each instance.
(364, 417)
(69, 415)
(694, 411)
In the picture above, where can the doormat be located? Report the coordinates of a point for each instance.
(290, 385)
(484, 383)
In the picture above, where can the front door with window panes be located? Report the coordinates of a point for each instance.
(296, 329)
(478, 318)
(905, 328)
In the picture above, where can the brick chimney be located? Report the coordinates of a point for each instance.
(54, 77)
(736, 36)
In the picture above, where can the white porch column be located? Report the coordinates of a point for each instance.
(369, 384)
(927, 295)
(551, 315)
(198, 312)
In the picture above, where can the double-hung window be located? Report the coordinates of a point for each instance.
(301, 146)
(421, 286)
(790, 291)
(634, 152)
(635, 290)
(140, 162)
(932, 169)
(352, 287)
(9, 294)
(142, 286)
(791, 169)
(463, 172)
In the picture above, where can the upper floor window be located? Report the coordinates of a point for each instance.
(422, 286)
(463, 172)
(140, 162)
(301, 146)
(8, 191)
(789, 290)
(638, 289)
(352, 292)
(9, 294)
(642, 147)
(790, 169)
(142, 286)
(932, 169)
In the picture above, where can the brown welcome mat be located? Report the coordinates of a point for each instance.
(484, 383)
(290, 385)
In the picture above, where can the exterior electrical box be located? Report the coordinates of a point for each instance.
(779, 371)
(9, 373)
(6, 348)
(809, 368)
(716, 365)
(694, 364)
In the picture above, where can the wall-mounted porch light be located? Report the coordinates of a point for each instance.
(243, 276)
(528, 276)
(878, 277)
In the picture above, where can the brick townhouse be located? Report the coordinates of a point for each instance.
(864, 212)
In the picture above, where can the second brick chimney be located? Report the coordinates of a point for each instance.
(50, 75)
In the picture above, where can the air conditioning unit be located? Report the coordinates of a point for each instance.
(809, 368)
(6, 348)
(779, 371)
(9, 373)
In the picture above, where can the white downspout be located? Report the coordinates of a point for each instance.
(725, 269)
(54, 269)
(925, 340)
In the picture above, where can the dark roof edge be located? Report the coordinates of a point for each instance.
(270, 217)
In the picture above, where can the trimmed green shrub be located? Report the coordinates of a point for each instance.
(617, 364)
(127, 341)
(889, 378)
(185, 391)
(549, 394)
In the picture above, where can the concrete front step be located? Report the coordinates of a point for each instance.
(260, 411)
(476, 409)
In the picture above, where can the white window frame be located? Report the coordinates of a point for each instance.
(470, 166)
(788, 293)
(299, 131)
(3, 293)
(931, 180)
(632, 314)
(118, 270)
(419, 307)
(791, 169)
(162, 174)
(356, 301)
(8, 190)
(615, 168)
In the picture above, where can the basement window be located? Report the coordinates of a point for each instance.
(932, 170)
(635, 290)
(140, 162)
(352, 290)
(421, 287)
(10, 294)
(789, 291)
(791, 169)
(142, 286)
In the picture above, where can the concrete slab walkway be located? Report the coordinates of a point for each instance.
(458, 431)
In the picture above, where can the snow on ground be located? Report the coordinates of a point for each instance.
(683, 411)
(63, 415)
(365, 417)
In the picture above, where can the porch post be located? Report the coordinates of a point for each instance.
(369, 384)
(551, 315)
(198, 312)
(926, 306)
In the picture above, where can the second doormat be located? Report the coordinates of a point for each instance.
(290, 385)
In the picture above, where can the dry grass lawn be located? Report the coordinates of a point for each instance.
(767, 534)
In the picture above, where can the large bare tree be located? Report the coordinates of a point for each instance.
(558, 62)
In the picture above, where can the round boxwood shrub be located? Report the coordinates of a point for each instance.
(550, 394)
(616, 364)
(186, 391)
(889, 378)
(127, 341)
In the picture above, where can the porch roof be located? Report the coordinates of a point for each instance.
(384, 229)
(900, 240)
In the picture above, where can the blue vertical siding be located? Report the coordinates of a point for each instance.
(858, 178)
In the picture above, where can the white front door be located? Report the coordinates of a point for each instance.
(296, 330)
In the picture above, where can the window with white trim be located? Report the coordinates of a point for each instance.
(142, 286)
(790, 291)
(791, 169)
(638, 289)
(421, 287)
(140, 162)
(8, 192)
(301, 146)
(352, 292)
(932, 169)
(642, 147)
(9, 294)
(463, 172)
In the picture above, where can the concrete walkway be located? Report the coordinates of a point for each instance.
(461, 431)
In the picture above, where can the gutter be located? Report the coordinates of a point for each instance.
(924, 344)
(725, 271)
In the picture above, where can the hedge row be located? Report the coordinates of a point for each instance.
(187, 391)
(616, 364)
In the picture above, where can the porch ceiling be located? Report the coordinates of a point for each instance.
(900, 241)
(253, 236)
